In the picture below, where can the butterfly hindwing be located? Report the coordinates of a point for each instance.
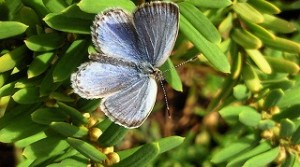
(98, 79)
(131, 106)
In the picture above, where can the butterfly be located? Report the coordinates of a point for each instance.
(130, 49)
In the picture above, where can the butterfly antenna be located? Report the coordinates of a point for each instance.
(178, 65)
(161, 78)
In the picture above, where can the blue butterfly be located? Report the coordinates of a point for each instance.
(130, 49)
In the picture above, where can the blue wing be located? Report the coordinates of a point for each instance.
(114, 35)
(131, 106)
(157, 27)
(99, 79)
(128, 97)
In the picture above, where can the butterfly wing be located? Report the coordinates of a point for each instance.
(114, 35)
(131, 106)
(99, 79)
(157, 27)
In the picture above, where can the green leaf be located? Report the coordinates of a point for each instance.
(40, 64)
(247, 12)
(168, 143)
(234, 149)
(290, 98)
(104, 124)
(170, 74)
(290, 161)
(38, 6)
(282, 65)
(61, 97)
(290, 112)
(11, 59)
(237, 63)
(72, 20)
(246, 39)
(8, 89)
(273, 97)
(18, 111)
(3, 78)
(91, 6)
(112, 135)
(263, 159)
(86, 149)
(76, 52)
(70, 153)
(210, 4)
(250, 117)
(19, 128)
(23, 83)
(128, 152)
(239, 160)
(4, 103)
(45, 42)
(264, 6)
(30, 139)
(26, 163)
(28, 95)
(45, 116)
(55, 6)
(141, 157)
(266, 124)
(78, 160)
(251, 78)
(75, 115)
(11, 28)
(278, 25)
(200, 22)
(296, 136)
(48, 86)
(231, 113)
(259, 60)
(287, 128)
(281, 44)
(283, 84)
(46, 147)
(259, 30)
(241, 92)
(29, 17)
(69, 130)
(164, 144)
(210, 50)
(88, 105)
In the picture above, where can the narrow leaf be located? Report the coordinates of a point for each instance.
(91, 6)
(200, 22)
(45, 42)
(76, 52)
(170, 74)
(211, 51)
(11, 59)
(86, 149)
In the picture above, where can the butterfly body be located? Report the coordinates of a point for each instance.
(130, 50)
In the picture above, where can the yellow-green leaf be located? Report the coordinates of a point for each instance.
(11, 28)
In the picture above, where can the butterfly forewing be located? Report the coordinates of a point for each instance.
(157, 27)
(114, 35)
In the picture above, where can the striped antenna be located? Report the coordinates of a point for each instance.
(162, 78)
(178, 65)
